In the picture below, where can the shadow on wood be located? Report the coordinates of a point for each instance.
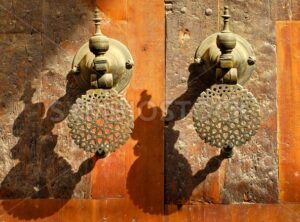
(41, 172)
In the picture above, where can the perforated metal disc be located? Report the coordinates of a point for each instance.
(226, 115)
(100, 120)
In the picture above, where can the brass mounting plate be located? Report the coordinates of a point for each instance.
(208, 53)
(118, 56)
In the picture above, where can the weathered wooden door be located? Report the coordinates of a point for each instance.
(164, 172)
(44, 175)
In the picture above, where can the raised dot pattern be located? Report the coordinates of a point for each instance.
(226, 115)
(100, 120)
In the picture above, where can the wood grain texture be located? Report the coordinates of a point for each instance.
(252, 174)
(194, 171)
(288, 81)
(115, 210)
(237, 213)
(39, 158)
(135, 171)
(287, 10)
(109, 175)
(146, 93)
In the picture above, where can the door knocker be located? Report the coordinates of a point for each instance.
(227, 114)
(101, 120)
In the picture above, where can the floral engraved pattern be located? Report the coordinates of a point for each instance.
(101, 120)
(226, 115)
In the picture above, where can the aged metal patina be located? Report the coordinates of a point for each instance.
(101, 120)
(227, 115)
(103, 62)
(227, 47)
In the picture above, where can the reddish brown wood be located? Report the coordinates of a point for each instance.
(288, 81)
(26, 210)
(237, 213)
(128, 185)
(114, 9)
(137, 168)
(145, 155)
(115, 210)
(129, 182)
(109, 177)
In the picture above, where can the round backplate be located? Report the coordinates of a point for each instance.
(117, 55)
(208, 52)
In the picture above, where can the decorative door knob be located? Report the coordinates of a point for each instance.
(227, 114)
(101, 120)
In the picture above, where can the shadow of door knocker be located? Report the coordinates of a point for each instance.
(226, 115)
(101, 120)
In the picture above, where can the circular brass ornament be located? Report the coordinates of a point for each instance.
(100, 120)
(119, 59)
(208, 53)
(226, 115)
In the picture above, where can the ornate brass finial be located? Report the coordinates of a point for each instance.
(97, 19)
(226, 16)
(226, 72)
(226, 40)
(98, 43)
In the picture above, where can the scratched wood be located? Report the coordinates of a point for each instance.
(188, 160)
(288, 80)
(128, 185)
(129, 182)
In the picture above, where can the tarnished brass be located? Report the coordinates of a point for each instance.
(241, 55)
(99, 56)
(226, 115)
(101, 120)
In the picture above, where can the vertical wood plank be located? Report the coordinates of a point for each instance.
(137, 168)
(288, 81)
(145, 155)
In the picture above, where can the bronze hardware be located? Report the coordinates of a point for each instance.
(226, 115)
(105, 58)
(209, 53)
(101, 120)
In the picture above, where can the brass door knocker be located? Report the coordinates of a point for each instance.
(227, 114)
(101, 120)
